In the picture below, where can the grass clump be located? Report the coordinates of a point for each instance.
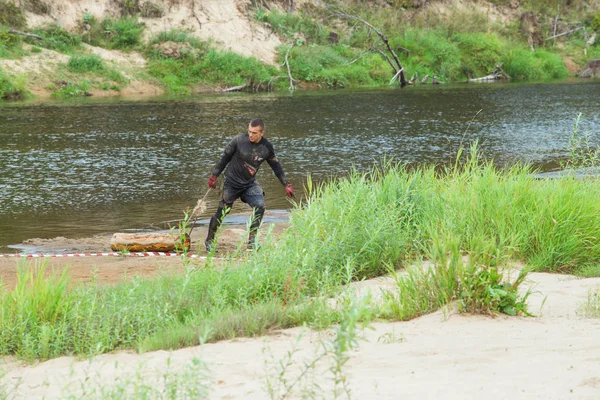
(124, 34)
(93, 64)
(10, 45)
(12, 88)
(11, 15)
(297, 27)
(194, 62)
(56, 38)
(591, 307)
(86, 63)
(66, 89)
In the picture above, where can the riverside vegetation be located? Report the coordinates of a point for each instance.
(469, 220)
(461, 43)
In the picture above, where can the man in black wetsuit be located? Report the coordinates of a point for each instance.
(243, 156)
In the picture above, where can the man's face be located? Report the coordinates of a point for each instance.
(255, 133)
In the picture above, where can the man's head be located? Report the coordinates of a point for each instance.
(256, 130)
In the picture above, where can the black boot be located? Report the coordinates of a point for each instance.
(257, 217)
(213, 226)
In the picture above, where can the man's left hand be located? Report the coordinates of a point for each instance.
(289, 190)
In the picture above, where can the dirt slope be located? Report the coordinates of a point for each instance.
(224, 21)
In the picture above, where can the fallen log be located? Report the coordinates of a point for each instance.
(31, 35)
(235, 88)
(496, 75)
(164, 242)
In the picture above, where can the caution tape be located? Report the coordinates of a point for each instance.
(133, 254)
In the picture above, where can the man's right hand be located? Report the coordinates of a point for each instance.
(212, 182)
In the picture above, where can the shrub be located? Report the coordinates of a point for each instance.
(309, 62)
(11, 88)
(523, 64)
(290, 25)
(124, 33)
(480, 52)
(56, 38)
(11, 15)
(86, 63)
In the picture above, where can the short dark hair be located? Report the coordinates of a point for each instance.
(258, 122)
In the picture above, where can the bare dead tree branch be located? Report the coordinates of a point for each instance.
(287, 63)
(398, 67)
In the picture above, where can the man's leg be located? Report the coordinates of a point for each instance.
(255, 198)
(229, 196)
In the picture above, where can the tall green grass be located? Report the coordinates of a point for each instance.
(350, 229)
(200, 63)
(12, 88)
(124, 33)
(56, 38)
(463, 43)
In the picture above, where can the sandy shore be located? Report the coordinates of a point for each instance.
(444, 355)
(114, 269)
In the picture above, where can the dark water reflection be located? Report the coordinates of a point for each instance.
(101, 166)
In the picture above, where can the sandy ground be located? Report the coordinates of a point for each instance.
(116, 268)
(444, 355)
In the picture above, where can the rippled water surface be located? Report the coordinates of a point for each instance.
(97, 166)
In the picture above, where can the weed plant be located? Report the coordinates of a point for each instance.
(56, 38)
(70, 89)
(591, 307)
(169, 382)
(124, 34)
(12, 88)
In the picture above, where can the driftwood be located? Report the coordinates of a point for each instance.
(424, 80)
(397, 68)
(236, 88)
(498, 74)
(396, 76)
(287, 63)
(31, 35)
(147, 242)
(564, 33)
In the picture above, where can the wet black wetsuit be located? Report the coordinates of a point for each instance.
(243, 159)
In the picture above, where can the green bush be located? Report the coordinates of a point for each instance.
(309, 62)
(178, 36)
(11, 88)
(70, 89)
(215, 67)
(292, 24)
(56, 38)
(10, 45)
(480, 53)
(124, 33)
(595, 25)
(431, 52)
(523, 64)
(86, 63)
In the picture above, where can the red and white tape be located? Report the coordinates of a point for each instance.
(135, 254)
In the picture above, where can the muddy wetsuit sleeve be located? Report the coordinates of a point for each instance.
(276, 166)
(228, 153)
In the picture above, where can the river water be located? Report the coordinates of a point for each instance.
(98, 166)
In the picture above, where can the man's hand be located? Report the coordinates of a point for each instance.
(289, 190)
(212, 182)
